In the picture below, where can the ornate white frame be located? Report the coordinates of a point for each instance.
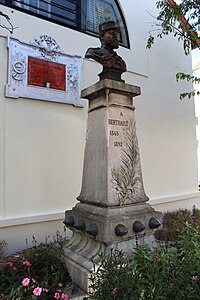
(47, 49)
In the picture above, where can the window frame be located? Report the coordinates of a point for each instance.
(38, 10)
(78, 27)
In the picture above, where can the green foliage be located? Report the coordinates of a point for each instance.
(188, 77)
(26, 293)
(42, 268)
(182, 21)
(46, 263)
(173, 223)
(112, 272)
(160, 275)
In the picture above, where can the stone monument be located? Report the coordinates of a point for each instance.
(112, 209)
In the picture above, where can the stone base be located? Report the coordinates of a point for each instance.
(82, 254)
(82, 251)
(106, 219)
(79, 255)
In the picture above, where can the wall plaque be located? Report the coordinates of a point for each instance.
(40, 70)
(46, 74)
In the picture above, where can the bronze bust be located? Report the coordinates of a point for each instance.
(113, 64)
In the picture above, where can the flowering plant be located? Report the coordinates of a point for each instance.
(38, 274)
(163, 274)
(30, 289)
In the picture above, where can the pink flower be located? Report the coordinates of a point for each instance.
(157, 258)
(57, 296)
(37, 291)
(14, 269)
(114, 291)
(8, 263)
(45, 290)
(26, 263)
(33, 280)
(65, 296)
(195, 278)
(25, 281)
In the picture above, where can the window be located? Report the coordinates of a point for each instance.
(95, 12)
(35, 6)
(66, 12)
(82, 15)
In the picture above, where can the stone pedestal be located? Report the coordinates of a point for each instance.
(112, 209)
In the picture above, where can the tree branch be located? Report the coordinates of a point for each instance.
(8, 27)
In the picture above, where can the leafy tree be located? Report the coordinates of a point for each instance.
(182, 20)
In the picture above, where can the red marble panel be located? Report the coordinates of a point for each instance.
(46, 74)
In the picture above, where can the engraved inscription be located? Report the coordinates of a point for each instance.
(114, 133)
(46, 74)
(117, 122)
(118, 144)
(117, 133)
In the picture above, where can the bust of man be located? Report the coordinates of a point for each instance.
(105, 55)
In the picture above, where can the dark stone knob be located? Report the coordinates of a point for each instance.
(80, 225)
(120, 230)
(154, 223)
(92, 229)
(69, 221)
(138, 226)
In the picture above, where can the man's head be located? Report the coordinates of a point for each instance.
(109, 35)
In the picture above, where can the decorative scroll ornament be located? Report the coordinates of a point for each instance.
(48, 46)
(72, 78)
(19, 67)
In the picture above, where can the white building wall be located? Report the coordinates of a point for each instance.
(196, 72)
(42, 143)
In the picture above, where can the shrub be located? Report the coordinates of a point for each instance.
(46, 263)
(38, 272)
(159, 275)
(173, 223)
(111, 277)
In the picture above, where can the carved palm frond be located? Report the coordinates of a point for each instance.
(127, 179)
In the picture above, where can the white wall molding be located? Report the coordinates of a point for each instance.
(59, 215)
(31, 219)
(175, 198)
